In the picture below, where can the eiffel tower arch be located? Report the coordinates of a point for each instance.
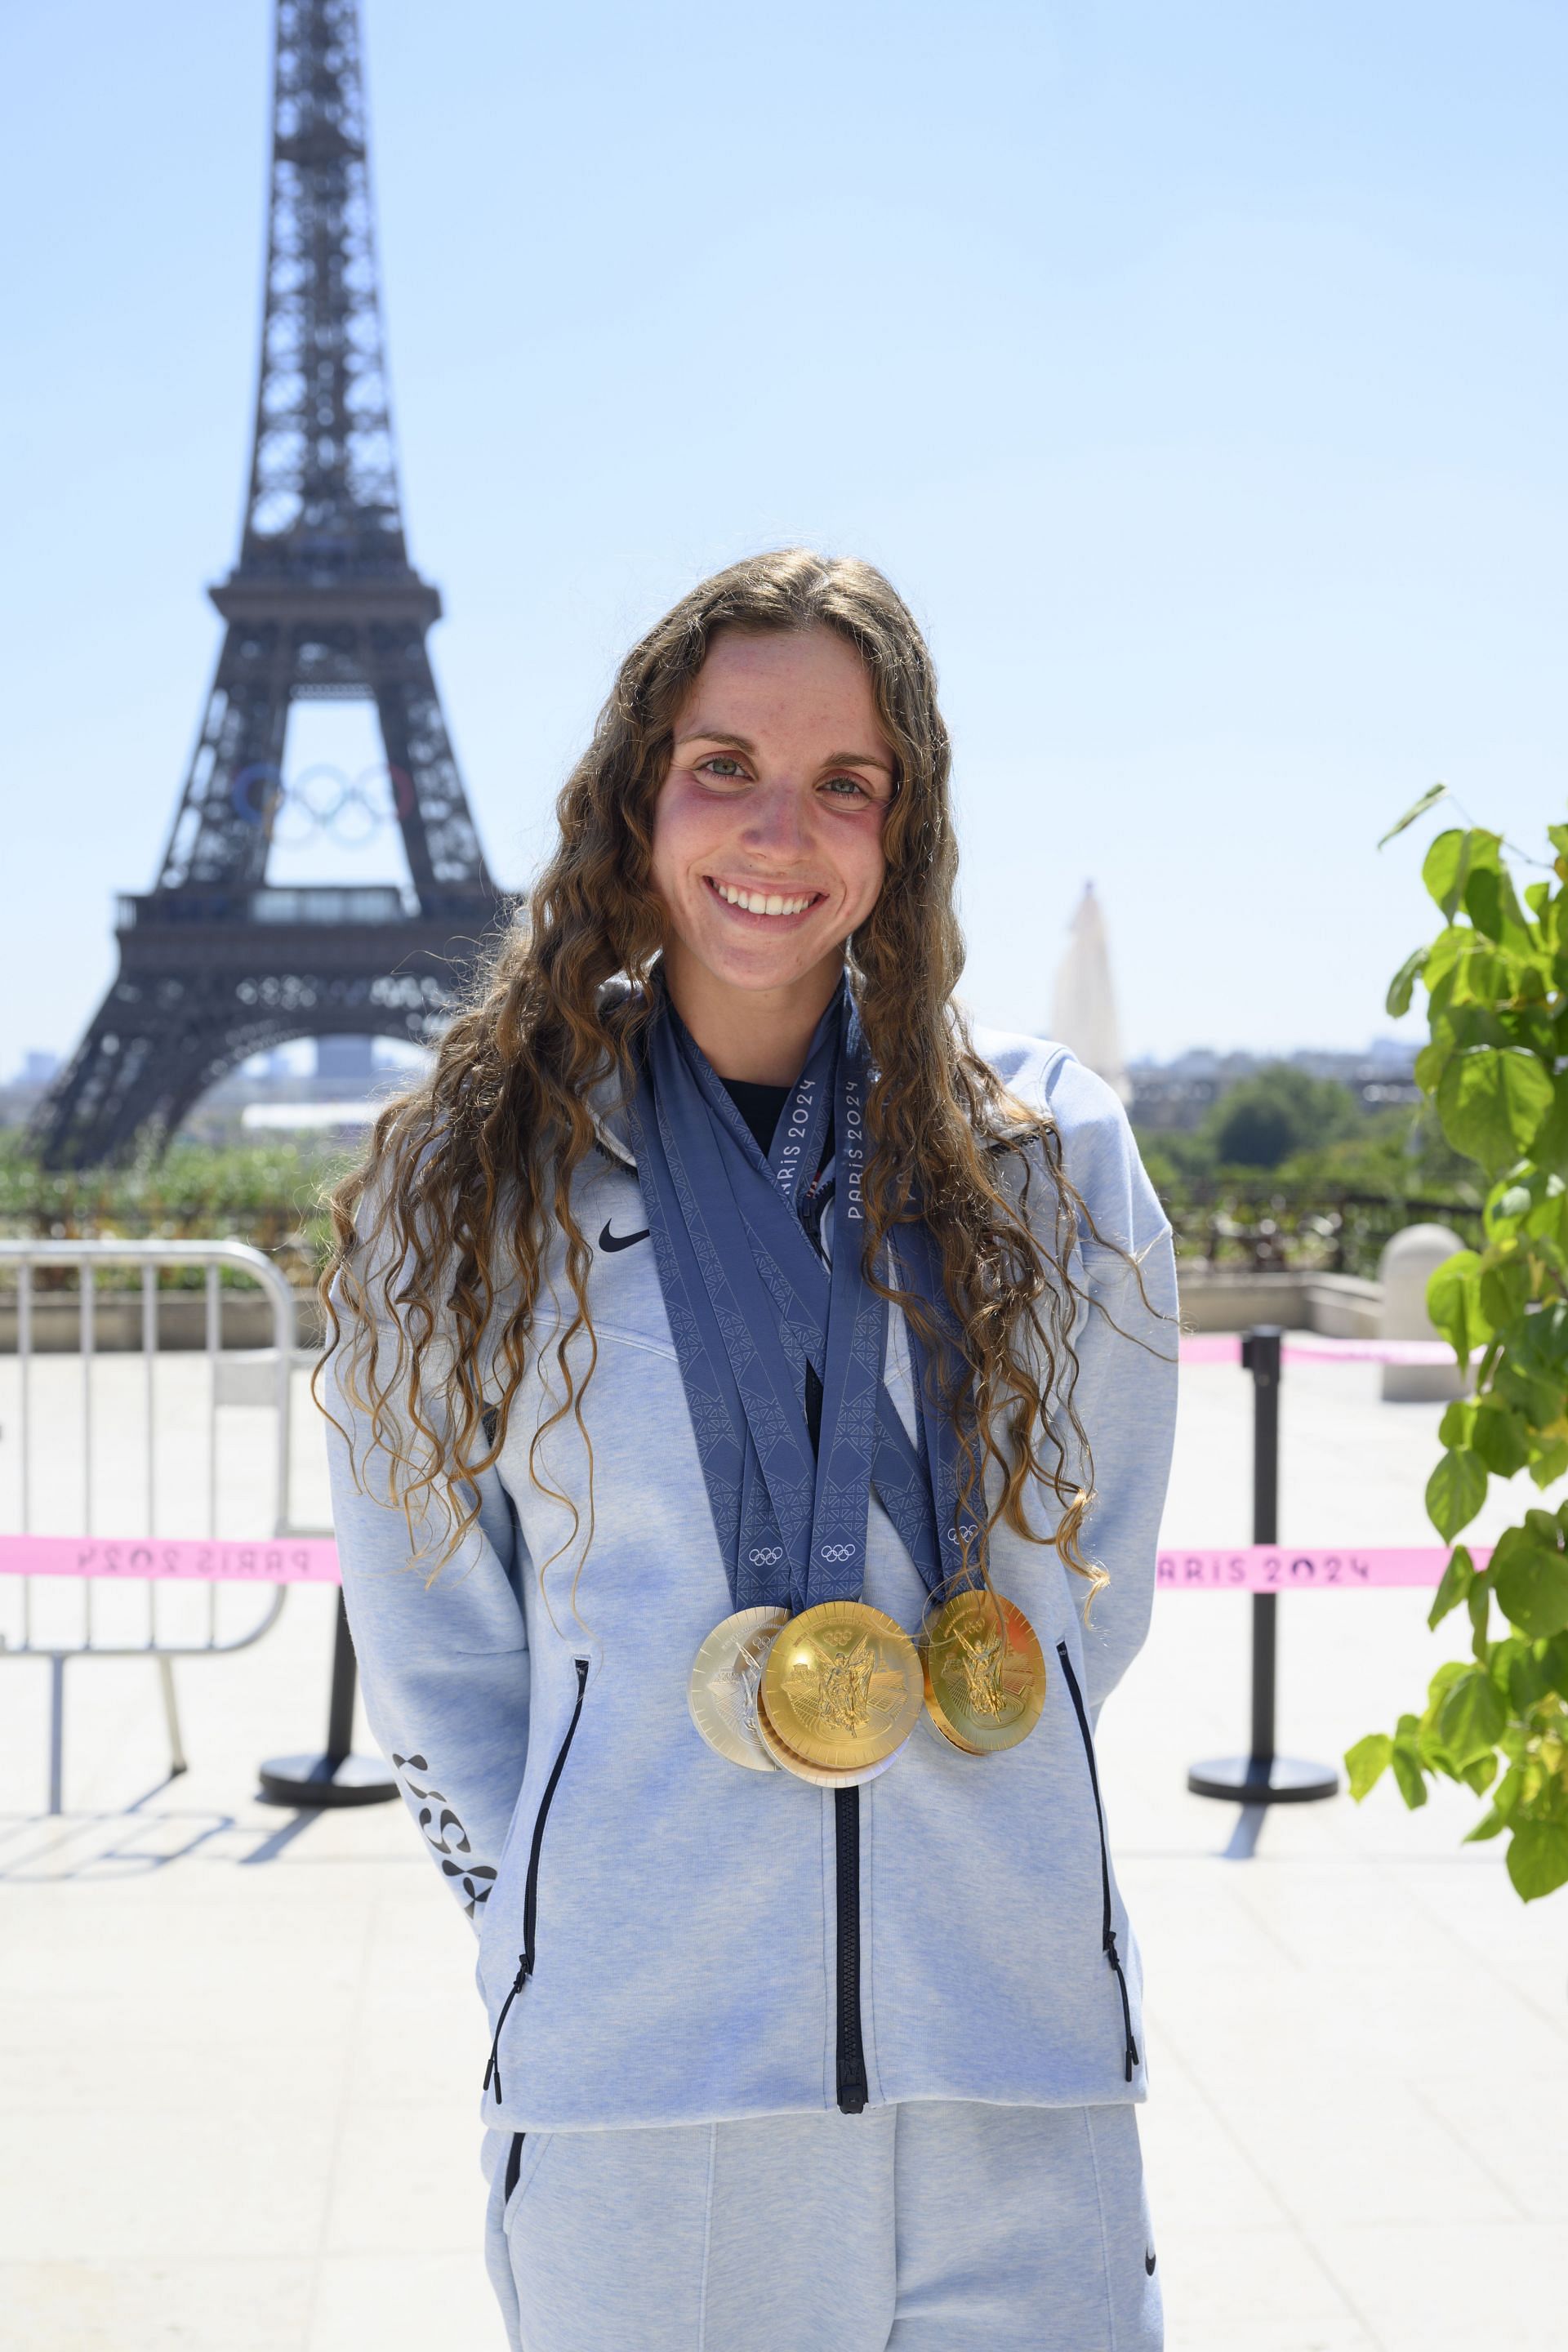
(216, 964)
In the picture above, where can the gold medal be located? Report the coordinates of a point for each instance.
(723, 1691)
(985, 1671)
(818, 1775)
(840, 1693)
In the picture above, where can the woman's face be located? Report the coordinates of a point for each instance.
(767, 835)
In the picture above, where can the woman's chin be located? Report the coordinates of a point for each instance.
(763, 967)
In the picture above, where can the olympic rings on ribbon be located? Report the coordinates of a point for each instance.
(835, 1552)
(322, 799)
(765, 1556)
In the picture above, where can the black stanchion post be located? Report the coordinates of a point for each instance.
(337, 1776)
(1262, 1777)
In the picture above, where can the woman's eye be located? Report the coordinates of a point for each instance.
(847, 788)
(725, 769)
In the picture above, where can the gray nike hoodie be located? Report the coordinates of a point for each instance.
(662, 1937)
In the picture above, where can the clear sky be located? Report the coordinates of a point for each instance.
(1197, 373)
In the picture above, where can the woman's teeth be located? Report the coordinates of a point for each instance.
(760, 902)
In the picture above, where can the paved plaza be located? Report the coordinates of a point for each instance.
(240, 2050)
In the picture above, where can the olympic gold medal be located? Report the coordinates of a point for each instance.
(723, 1691)
(985, 1671)
(841, 1689)
(819, 1777)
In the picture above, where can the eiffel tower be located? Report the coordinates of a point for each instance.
(215, 965)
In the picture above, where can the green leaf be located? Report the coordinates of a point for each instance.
(1490, 1823)
(1491, 905)
(1541, 1346)
(1490, 1103)
(1529, 1678)
(1458, 1420)
(1367, 1761)
(1478, 1602)
(1429, 799)
(1407, 1772)
(1500, 1438)
(1451, 860)
(1549, 1142)
(1532, 1584)
(1457, 1578)
(1480, 1773)
(1538, 1859)
(1504, 1287)
(1453, 1301)
(1431, 1062)
(1401, 987)
(1454, 1493)
(1483, 977)
(1448, 1672)
(1551, 1461)
(1471, 1717)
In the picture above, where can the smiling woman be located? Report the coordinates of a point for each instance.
(774, 1976)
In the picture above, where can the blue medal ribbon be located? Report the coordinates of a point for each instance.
(752, 1303)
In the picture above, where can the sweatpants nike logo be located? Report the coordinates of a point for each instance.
(609, 1241)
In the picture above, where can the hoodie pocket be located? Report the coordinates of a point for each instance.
(1107, 1931)
(525, 1958)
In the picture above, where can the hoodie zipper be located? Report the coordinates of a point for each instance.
(1107, 1932)
(531, 1888)
(851, 2048)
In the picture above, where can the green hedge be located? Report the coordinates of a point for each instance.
(270, 1195)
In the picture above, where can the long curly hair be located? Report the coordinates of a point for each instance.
(433, 1293)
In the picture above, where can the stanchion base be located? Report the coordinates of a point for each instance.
(1263, 1780)
(323, 1780)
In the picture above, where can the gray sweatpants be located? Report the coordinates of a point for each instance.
(939, 2226)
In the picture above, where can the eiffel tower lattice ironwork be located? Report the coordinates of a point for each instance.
(214, 965)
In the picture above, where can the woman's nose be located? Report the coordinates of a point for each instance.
(777, 819)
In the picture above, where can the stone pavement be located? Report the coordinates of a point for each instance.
(240, 2051)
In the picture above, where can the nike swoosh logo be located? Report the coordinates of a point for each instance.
(1148, 2264)
(609, 1241)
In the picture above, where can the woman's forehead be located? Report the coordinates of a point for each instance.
(802, 679)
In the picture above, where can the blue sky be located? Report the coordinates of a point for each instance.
(1198, 374)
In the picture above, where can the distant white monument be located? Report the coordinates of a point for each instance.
(1084, 1013)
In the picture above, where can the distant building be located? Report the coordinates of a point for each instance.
(1083, 1013)
(1179, 1093)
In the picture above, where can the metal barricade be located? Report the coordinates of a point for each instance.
(32, 1478)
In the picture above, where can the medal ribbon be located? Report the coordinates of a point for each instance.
(751, 1304)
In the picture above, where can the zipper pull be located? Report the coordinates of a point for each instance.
(1130, 2053)
(494, 2065)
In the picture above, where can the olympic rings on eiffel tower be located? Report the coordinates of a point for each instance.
(321, 799)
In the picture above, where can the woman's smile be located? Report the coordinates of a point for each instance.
(769, 901)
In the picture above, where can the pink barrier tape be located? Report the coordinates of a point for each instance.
(313, 1560)
(1311, 1348)
(1275, 1567)
(279, 1559)
(1212, 1347)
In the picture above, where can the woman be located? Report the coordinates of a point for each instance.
(717, 1322)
